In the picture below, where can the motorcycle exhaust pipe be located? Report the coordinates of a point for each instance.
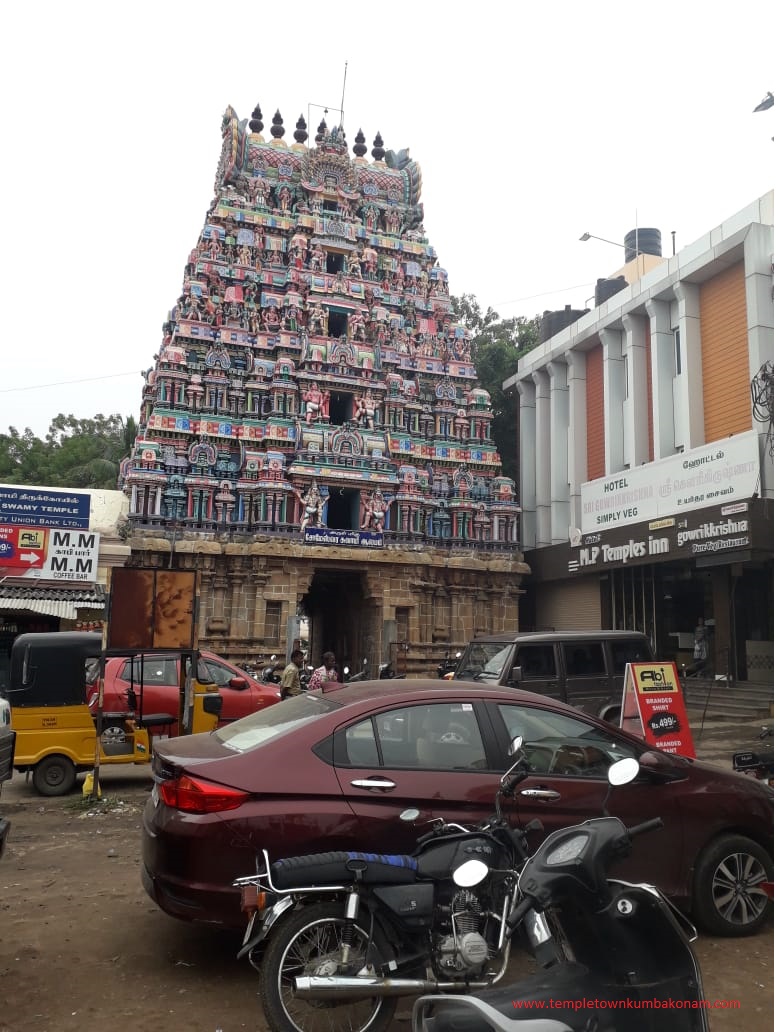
(340, 987)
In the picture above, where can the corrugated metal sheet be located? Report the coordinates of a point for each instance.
(50, 600)
(572, 605)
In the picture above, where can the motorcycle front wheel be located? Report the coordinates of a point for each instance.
(310, 943)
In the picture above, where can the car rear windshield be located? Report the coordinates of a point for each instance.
(273, 721)
(483, 661)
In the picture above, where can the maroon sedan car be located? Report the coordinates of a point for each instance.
(159, 675)
(333, 769)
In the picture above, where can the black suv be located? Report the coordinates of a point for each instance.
(586, 669)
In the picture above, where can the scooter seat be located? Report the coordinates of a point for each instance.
(339, 868)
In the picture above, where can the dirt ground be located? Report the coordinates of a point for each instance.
(83, 948)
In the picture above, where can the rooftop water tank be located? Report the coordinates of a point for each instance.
(554, 322)
(643, 241)
(606, 288)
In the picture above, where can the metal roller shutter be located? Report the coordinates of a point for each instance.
(569, 605)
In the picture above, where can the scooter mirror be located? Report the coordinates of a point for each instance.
(409, 815)
(623, 771)
(515, 745)
(470, 873)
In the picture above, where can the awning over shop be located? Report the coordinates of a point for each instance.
(52, 601)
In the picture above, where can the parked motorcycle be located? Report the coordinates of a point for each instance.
(345, 933)
(360, 676)
(757, 764)
(272, 672)
(386, 672)
(627, 964)
(448, 666)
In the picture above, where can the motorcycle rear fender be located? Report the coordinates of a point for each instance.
(270, 918)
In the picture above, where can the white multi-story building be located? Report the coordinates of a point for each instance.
(646, 455)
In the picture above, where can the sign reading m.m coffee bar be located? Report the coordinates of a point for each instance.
(679, 484)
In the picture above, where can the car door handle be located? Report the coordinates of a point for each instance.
(540, 793)
(374, 784)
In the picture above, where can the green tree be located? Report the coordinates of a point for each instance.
(498, 344)
(75, 453)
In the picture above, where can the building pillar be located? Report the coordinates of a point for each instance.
(636, 403)
(526, 390)
(663, 372)
(559, 461)
(758, 283)
(614, 398)
(577, 433)
(543, 458)
(688, 386)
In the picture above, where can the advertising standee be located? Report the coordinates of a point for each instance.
(653, 707)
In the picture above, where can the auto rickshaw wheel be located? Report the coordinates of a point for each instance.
(54, 775)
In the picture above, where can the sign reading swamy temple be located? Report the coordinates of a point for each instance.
(29, 507)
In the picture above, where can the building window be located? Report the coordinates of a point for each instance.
(272, 622)
(402, 624)
(677, 352)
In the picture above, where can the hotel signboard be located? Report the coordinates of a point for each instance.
(675, 486)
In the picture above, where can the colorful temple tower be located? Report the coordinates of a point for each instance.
(313, 422)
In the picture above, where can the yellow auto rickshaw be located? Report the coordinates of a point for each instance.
(53, 675)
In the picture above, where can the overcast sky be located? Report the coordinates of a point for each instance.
(532, 123)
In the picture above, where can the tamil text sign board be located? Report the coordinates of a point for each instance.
(32, 552)
(343, 538)
(30, 507)
(653, 707)
(713, 474)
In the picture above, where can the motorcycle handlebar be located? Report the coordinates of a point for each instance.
(651, 825)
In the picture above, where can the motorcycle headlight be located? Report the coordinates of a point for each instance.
(566, 851)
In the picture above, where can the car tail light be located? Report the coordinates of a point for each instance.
(193, 795)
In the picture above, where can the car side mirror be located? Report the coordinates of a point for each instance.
(238, 682)
(660, 768)
(623, 771)
(517, 674)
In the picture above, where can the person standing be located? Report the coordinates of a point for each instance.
(289, 682)
(326, 672)
(700, 652)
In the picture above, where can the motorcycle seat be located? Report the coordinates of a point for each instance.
(337, 868)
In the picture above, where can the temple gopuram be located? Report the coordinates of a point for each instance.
(312, 437)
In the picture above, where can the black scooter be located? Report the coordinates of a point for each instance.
(757, 764)
(627, 960)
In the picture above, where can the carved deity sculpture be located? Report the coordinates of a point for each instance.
(374, 512)
(312, 507)
(314, 399)
(317, 259)
(364, 409)
(319, 320)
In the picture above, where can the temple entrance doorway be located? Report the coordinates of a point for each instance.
(342, 621)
